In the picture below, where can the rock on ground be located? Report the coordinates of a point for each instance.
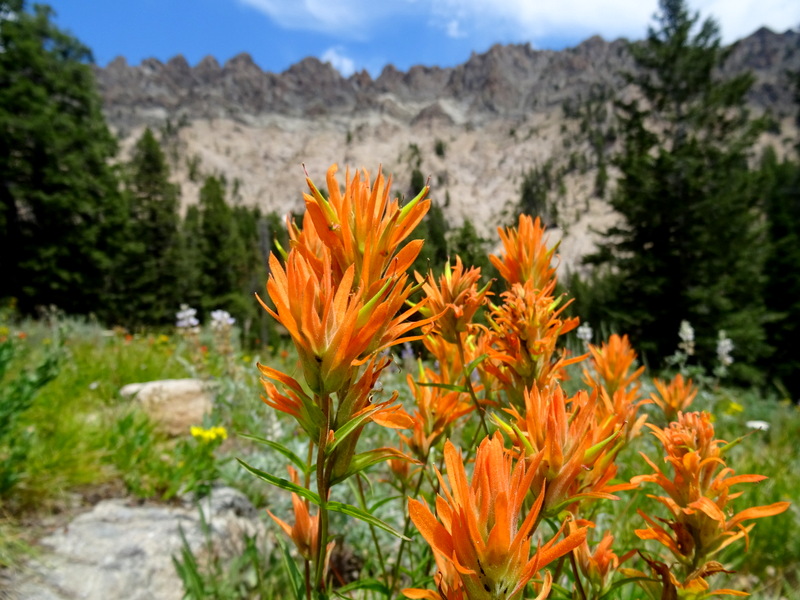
(173, 404)
(125, 552)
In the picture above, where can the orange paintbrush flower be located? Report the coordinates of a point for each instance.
(698, 494)
(363, 228)
(480, 529)
(525, 329)
(575, 463)
(527, 258)
(454, 300)
(304, 532)
(597, 566)
(330, 323)
(437, 410)
(611, 373)
(673, 397)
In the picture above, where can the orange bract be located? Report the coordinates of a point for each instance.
(453, 300)
(524, 334)
(575, 463)
(478, 529)
(363, 228)
(304, 532)
(612, 375)
(698, 494)
(674, 397)
(527, 258)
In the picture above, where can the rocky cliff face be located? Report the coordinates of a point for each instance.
(506, 81)
(476, 129)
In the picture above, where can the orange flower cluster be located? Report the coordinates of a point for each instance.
(480, 531)
(341, 295)
(612, 376)
(598, 566)
(576, 464)
(454, 300)
(437, 410)
(673, 397)
(698, 494)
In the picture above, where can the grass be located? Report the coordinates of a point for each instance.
(83, 435)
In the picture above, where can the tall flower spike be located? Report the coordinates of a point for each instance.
(673, 397)
(527, 258)
(698, 494)
(362, 227)
(304, 532)
(454, 300)
(478, 529)
(525, 329)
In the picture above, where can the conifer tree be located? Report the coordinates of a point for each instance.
(224, 256)
(153, 252)
(689, 246)
(60, 209)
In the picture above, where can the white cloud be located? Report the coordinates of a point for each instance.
(520, 19)
(453, 29)
(347, 19)
(345, 65)
(535, 19)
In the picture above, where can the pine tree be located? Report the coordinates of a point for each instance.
(153, 252)
(224, 256)
(60, 209)
(689, 246)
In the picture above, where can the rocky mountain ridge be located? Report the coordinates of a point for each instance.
(476, 129)
(507, 81)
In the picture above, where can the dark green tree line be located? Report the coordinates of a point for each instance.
(60, 208)
(690, 244)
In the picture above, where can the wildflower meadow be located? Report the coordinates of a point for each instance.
(419, 435)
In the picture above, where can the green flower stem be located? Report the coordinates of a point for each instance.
(468, 380)
(407, 525)
(323, 479)
(372, 529)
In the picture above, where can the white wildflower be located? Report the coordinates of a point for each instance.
(724, 349)
(221, 319)
(686, 333)
(759, 425)
(585, 333)
(186, 317)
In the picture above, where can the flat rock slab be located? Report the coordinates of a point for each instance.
(125, 552)
(174, 405)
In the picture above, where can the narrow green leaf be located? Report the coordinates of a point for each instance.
(621, 582)
(345, 430)
(382, 501)
(298, 462)
(350, 510)
(445, 386)
(282, 483)
(298, 586)
(364, 584)
(471, 366)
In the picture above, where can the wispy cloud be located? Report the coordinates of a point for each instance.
(532, 20)
(345, 65)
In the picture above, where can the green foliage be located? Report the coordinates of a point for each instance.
(18, 389)
(780, 186)
(241, 577)
(222, 257)
(535, 190)
(152, 256)
(60, 212)
(690, 245)
(440, 148)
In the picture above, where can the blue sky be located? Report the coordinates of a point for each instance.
(368, 34)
